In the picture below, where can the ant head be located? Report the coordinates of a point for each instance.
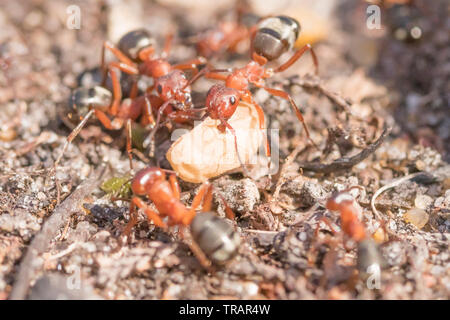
(134, 41)
(93, 77)
(338, 199)
(174, 86)
(222, 101)
(84, 99)
(146, 178)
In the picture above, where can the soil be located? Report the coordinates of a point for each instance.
(367, 82)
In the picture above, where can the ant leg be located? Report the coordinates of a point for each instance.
(191, 64)
(117, 92)
(228, 211)
(216, 76)
(129, 146)
(195, 203)
(261, 119)
(118, 54)
(149, 139)
(123, 67)
(197, 76)
(132, 222)
(229, 127)
(328, 223)
(175, 186)
(296, 56)
(207, 199)
(313, 247)
(147, 111)
(285, 95)
(115, 51)
(167, 45)
(185, 115)
(134, 90)
(196, 250)
(151, 214)
(72, 136)
(116, 124)
(200, 195)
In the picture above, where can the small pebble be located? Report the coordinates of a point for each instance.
(423, 201)
(417, 217)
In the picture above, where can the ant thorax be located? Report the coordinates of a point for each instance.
(155, 68)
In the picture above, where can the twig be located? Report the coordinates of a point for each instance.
(314, 83)
(48, 232)
(346, 163)
(390, 185)
(286, 164)
(260, 231)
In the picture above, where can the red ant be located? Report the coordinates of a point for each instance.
(228, 34)
(274, 36)
(172, 86)
(344, 203)
(136, 56)
(214, 238)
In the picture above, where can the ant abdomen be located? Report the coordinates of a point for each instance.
(134, 41)
(369, 257)
(82, 100)
(275, 36)
(93, 77)
(217, 239)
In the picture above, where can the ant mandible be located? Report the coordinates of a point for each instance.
(274, 36)
(214, 239)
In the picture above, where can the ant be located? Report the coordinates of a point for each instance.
(214, 239)
(343, 202)
(274, 36)
(135, 52)
(171, 83)
(367, 249)
(227, 36)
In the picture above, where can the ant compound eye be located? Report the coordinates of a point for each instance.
(159, 88)
(232, 100)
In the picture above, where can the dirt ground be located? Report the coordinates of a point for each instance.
(367, 81)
